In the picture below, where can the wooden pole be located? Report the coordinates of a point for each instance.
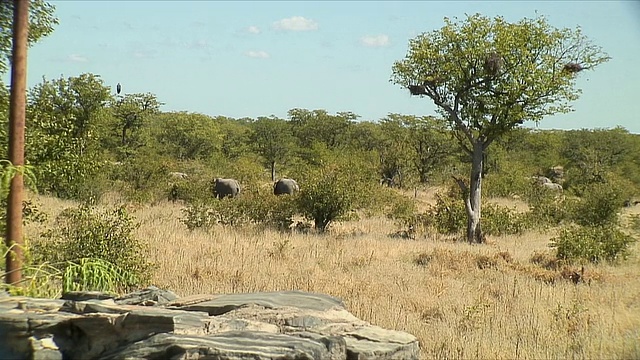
(17, 114)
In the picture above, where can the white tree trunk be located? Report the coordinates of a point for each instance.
(474, 197)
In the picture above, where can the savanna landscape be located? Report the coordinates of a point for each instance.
(481, 235)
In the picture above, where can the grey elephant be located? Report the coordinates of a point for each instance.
(225, 188)
(285, 186)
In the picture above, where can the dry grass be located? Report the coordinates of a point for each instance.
(461, 301)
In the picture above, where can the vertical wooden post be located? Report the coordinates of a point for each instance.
(17, 114)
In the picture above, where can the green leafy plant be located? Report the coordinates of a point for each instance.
(97, 235)
(448, 216)
(257, 209)
(592, 243)
(88, 274)
(198, 215)
(331, 194)
(546, 208)
(599, 205)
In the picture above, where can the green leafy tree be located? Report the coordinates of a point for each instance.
(395, 148)
(131, 110)
(488, 76)
(430, 143)
(41, 23)
(311, 126)
(185, 136)
(334, 192)
(236, 137)
(365, 136)
(273, 140)
(60, 141)
(591, 154)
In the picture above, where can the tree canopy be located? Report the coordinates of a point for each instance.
(41, 23)
(487, 76)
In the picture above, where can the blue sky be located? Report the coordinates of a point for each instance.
(263, 58)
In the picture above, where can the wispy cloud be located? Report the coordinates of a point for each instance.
(296, 23)
(375, 40)
(77, 58)
(253, 29)
(198, 44)
(257, 54)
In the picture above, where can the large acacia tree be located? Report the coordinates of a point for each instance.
(488, 76)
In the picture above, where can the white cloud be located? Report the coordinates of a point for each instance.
(296, 23)
(257, 54)
(375, 40)
(253, 29)
(77, 58)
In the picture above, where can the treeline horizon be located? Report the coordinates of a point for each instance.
(77, 129)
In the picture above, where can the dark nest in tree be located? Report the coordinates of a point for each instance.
(573, 67)
(417, 89)
(492, 64)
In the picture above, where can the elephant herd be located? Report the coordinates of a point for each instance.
(223, 188)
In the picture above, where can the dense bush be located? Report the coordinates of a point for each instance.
(547, 208)
(191, 190)
(404, 212)
(333, 193)
(598, 206)
(258, 209)
(500, 220)
(87, 233)
(507, 184)
(448, 216)
(592, 243)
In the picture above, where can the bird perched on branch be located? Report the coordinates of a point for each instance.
(118, 88)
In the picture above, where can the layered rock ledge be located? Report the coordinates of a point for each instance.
(156, 324)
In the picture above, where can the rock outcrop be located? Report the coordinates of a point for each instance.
(156, 324)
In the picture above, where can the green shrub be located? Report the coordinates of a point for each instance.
(592, 243)
(87, 233)
(599, 205)
(258, 209)
(449, 216)
(279, 213)
(267, 209)
(546, 208)
(507, 184)
(499, 220)
(333, 193)
(189, 190)
(404, 212)
(198, 216)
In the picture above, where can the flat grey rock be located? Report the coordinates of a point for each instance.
(149, 296)
(86, 295)
(229, 345)
(256, 326)
(270, 300)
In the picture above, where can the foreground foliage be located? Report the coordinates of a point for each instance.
(87, 241)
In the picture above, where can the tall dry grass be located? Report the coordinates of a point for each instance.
(462, 301)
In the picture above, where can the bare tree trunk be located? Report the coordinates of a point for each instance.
(17, 113)
(473, 195)
(273, 171)
(474, 231)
